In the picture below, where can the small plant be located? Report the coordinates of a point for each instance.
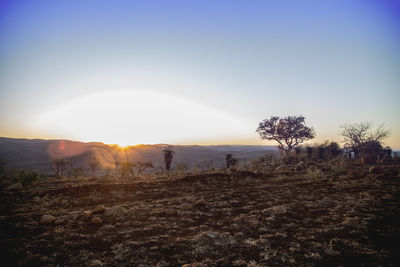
(181, 167)
(314, 173)
(77, 172)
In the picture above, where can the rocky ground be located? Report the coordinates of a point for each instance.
(283, 216)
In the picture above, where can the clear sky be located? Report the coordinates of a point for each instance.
(196, 72)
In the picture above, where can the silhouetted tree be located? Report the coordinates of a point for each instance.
(168, 155)
(289, 132)
(143, 165)
(126, 167)
(69, 168)
(357, 134)
(333, 150)
(230, 161)
(59, 166)
(370, 151)
(93, 163)
(309, 151)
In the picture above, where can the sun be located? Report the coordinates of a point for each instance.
(123, 145)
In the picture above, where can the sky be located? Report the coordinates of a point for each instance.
(196, 72)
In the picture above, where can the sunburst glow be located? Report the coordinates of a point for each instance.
(128, 117)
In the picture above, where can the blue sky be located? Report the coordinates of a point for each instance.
(334, 62)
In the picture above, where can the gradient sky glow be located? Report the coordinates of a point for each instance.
(132, 72)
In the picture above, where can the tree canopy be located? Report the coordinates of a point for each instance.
(361, 137)
(289, 131)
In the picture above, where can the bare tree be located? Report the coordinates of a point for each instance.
(168, 154)
(126, 167)
(93, 163)
(142, 166)
(289, 132)
(59, 166)
(357, 135)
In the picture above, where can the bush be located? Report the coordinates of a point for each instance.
(181, 167)
(28, 177)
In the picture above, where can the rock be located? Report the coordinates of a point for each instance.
(327, 203)
(299, 166)
(376, 170)
(201, 203)
(68, 185)
(59, 221)
(279, 210)
(87, 213)
(194, 264)
(96, 263)
(16, 186)
(31, 224)
(47, 219)
(116, 210)
(99, 209)
(96, 221)
(283, 168)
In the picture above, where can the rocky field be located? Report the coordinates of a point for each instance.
(321, 215)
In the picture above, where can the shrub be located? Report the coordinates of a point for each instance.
(181, 167)
(28, 177)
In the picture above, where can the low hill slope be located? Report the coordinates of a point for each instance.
(35, 154)
(216, 219)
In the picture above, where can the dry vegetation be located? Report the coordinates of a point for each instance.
(323, 213)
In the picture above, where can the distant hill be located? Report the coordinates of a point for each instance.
(36, 154)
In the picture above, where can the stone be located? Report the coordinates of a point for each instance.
(96, 263)
(200, 203)
(99, 209)
(376, 170)
(96, 221)
(283, 168)
(68, 185)
(87, 213)
(116, 210)
(59, 221)
(16, 186)
(194, 264)
(279, 210)
(300, 165)
(327, 203)
(47, 219)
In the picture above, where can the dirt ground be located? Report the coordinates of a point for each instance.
(280, 217)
